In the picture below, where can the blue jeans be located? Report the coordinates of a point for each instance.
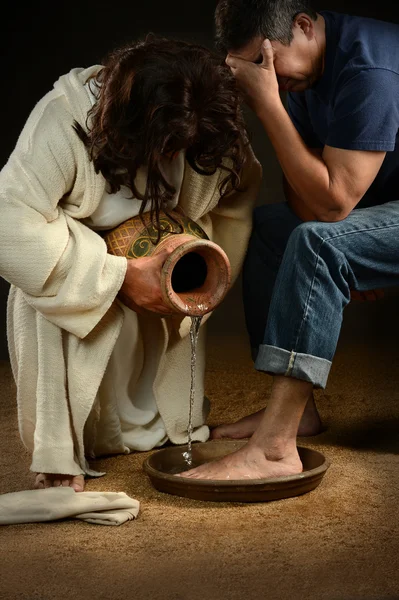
(297, 280)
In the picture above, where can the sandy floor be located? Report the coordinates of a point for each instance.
(340, 541)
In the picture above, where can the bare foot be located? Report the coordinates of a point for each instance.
(249, 462)
(46, 480)
(244, 428)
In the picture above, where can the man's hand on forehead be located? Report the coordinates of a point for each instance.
(257, 80)
(254, 56)
(265, 59)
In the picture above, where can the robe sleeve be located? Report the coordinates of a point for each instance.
(61, 266)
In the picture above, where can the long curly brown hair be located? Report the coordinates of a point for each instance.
(156, 97)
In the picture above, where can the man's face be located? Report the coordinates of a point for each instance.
(297, 66)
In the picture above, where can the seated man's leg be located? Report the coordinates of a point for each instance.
(273, 225)
(322, 262)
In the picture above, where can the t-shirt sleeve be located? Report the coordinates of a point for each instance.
(365, 112)
(298, 112)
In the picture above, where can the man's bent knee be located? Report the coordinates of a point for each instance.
(313, 231)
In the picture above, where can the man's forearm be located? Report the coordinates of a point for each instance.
(305, 171)
(296, 204)
(328, 186)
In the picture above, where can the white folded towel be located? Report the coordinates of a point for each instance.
(32, 506)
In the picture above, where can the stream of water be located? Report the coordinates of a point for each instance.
(194, 332)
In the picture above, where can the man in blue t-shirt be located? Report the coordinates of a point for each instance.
(338, 231)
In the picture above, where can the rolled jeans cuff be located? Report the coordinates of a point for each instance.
(278, 361)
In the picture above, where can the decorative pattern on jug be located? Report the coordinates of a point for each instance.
(135, 240)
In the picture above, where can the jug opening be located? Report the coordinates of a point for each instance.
(189, 273)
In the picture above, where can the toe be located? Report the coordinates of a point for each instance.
(78, 483)
(193, 473)
(185, 473)
(216, 434)
(57, 482)
(39, 481)
(47, 482)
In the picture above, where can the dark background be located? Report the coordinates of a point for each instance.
(43, 40)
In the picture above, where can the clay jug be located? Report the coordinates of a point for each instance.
(196, 275)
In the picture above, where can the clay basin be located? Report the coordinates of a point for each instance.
(162, 466)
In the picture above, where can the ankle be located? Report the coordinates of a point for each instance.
(276, 449)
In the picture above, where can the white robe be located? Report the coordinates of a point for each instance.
(63, 316)
(126, 393)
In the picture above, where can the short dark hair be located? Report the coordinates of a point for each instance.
(240, 21)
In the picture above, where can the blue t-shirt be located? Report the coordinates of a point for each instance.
(355, 104)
